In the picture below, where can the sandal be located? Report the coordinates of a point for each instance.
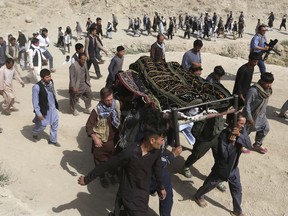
(259, 148)
(200, 202)
(245, 150)
(283, 115)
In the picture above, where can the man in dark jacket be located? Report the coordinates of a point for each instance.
(157, 52)
(230, 142)
(91, 44)
(244, 77)
(137, 163)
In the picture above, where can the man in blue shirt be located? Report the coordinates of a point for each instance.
(2, 51)
(193, 56)
(258, 45)
(115, 66)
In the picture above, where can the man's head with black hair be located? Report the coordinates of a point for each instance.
(262, 29)
(240, 115)
(266, 80)
(218, 72)
(79, 48)
(44, 72)
(106, 95)
(13, 41)
(197, 45)
(120, 51)
(254, 56)
(44, 32)
(196, 70)
(253, 59)
(34, 41)
(120, 48)
(93, 31)
(82, 58)
(267, 77)
(154, 127)
(9, 63)
(45, 75)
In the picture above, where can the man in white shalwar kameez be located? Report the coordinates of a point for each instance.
(7, 74)
(36, 58)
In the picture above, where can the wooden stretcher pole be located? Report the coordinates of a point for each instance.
(175, 116)
(176, 126)
(235, 105)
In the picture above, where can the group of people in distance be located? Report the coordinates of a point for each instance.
(203, 26)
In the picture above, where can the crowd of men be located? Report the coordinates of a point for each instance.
(203, 26)
(144, 161)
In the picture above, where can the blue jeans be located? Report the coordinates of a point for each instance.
(165, 206)
(49, 57)
(261, 66)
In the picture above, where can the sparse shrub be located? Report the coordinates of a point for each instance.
(209, 10)
(223, 53)
(4, 177)
(284, 43)
(285, 60)
(227, 10)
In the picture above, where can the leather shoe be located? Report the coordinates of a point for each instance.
(113, 179)
(233, 213)
(104, 182)
(35, 138)
(54, 143)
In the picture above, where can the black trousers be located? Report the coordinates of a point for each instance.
(187, 33)
(170, 34)
(234, 186)
(96, 66)
(121, 210)
(200, 148)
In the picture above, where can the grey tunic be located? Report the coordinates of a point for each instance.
(188, 59)
(115, 66)
(251, 110)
